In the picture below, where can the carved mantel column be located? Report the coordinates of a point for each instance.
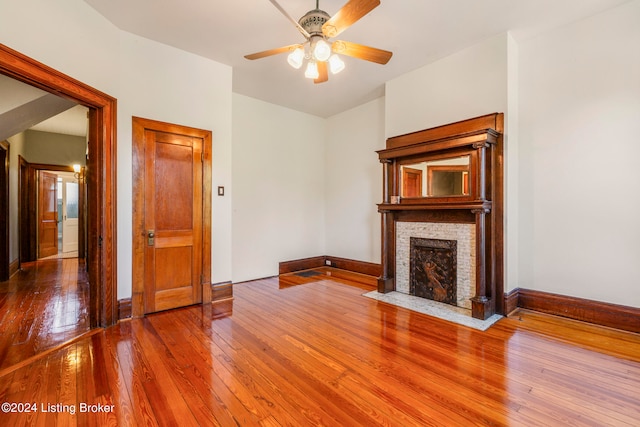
(386, 283)
(481, 305)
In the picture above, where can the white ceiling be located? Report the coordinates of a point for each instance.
(74, 121)
(417, 31)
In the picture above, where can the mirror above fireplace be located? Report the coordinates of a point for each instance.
(448, 177)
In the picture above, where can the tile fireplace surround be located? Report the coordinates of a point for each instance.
(464, 234)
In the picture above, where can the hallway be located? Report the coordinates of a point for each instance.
(42, 306)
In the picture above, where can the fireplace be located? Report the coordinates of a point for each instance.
(457, 253)
(433, 270)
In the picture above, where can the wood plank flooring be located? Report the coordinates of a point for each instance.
(296, 351)
(41, 306)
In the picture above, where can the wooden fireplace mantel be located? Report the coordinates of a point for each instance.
(481, 139)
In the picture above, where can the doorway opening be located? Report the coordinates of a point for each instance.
(99, 176)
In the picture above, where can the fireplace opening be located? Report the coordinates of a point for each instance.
(433, 269)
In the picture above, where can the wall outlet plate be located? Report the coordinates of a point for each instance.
(327, 262)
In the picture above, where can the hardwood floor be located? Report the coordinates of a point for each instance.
(312, 351)
(42, 306)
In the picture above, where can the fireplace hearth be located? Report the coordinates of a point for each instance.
(433, 270)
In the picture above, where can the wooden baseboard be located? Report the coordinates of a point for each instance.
(221, 291)
(14, 267)
(510, 301)
(300, 264)
(599, 313)
(362, 267)
(124, 308)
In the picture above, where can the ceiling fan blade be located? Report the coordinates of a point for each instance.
(322, 71)
(361, 52)
(284, 12)
(271, 52)
(348, 15)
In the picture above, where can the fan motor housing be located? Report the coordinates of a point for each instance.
(313, 21)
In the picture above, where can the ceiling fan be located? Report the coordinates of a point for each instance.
(317, 27)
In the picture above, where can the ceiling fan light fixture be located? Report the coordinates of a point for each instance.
(336, 64)
(312, 70)
(321, 50)
(296, 58)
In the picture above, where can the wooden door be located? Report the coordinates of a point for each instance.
(411, 182)
(172, 220)
(47, 214)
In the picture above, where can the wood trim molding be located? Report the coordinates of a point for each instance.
(510, 301)
(490, 121)
(14, 266)
(221, 292)
(301, 264)
(101, 176)
(597, 312)
(124, 308)
(5, 258)
(362, 267)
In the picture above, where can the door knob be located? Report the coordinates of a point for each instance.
(150, 237)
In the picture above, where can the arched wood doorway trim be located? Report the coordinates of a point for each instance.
(100, 174)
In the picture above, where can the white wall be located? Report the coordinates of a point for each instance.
(163, 83)
(467, 84)
(572, 103)
(354, 182)
(54, 148)
(149, 80)
(278, 187)
(579, 127)
(16, 148)
(64, 35)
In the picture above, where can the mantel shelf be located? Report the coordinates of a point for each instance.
(466, 205)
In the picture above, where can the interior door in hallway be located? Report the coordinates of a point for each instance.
(172, 220)
(47, 214)
(70, 214)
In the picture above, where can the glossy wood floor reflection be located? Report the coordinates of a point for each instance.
(41, 306)
(295, 351)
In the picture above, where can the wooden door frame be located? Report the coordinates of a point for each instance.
(5, 261)
(100, 178)
(139, 126)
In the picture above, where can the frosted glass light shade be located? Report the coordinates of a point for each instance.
(322, 50)
(296, 58)
(336, 64)
(312, 70)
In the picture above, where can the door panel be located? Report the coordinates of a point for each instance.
(70, 215)
(172, 220)
(47, 215)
